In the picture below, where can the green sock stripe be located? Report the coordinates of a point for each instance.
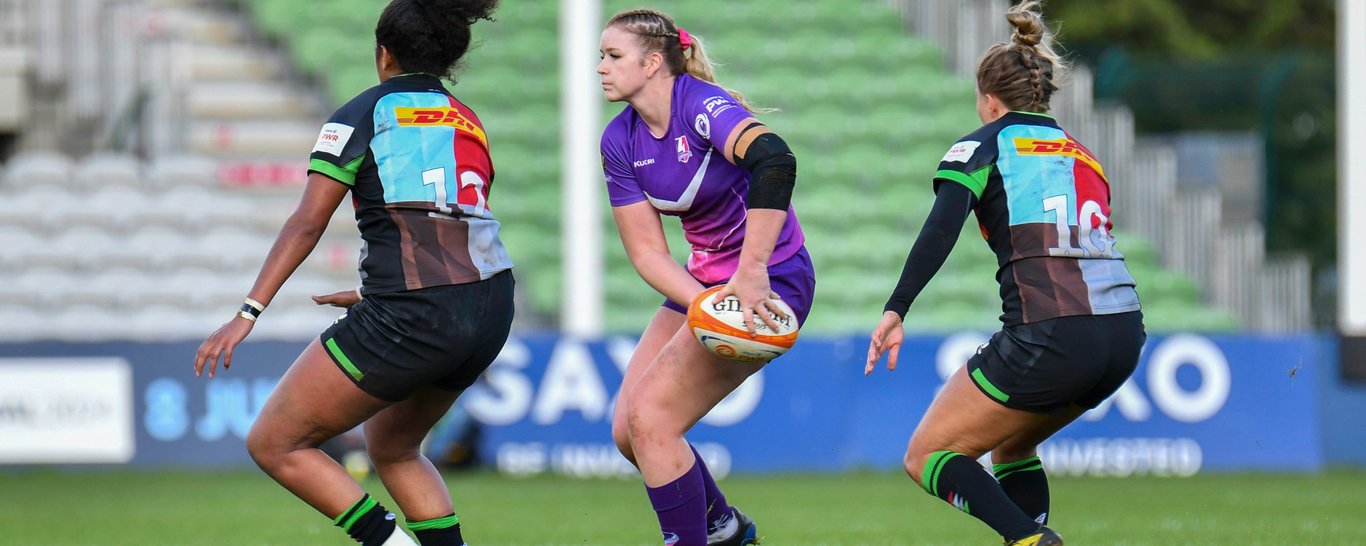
(998, 468)
(341, 359)
(356, 512)
(929, 479)
(337, 520)
(981, 381)
(437, 523)
(1002, 476)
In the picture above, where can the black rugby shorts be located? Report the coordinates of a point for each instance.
(392, 344)
(1049, 365)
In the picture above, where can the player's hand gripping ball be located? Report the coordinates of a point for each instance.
(720, 326)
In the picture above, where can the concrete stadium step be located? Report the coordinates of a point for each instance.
(224, 62)
(245, 100)
(253, 139)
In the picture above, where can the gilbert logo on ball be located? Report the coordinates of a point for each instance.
(719, 325)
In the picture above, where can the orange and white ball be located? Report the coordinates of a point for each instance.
(719, 326)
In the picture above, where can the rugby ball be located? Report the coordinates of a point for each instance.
(719, 326)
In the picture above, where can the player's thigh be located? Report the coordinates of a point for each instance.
(314, 401)
(1023, 444)
(964, 420)
(399, 429)
(684, 382)
(661, 329)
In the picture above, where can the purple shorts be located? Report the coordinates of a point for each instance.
(794, 279)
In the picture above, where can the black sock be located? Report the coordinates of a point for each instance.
(442, 531)
(367, 521)
(960, 481)
(1025, 483)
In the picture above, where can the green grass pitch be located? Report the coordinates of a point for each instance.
(241, 507)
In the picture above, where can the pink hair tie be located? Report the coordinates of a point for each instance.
(684, 39)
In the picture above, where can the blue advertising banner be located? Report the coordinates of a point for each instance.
(1196, 403)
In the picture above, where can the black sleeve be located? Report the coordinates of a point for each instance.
(952, 204)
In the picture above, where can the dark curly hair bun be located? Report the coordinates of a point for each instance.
(430, 36)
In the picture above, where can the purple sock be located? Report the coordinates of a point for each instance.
(718, 512)
(681, 506)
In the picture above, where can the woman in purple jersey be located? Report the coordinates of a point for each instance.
(686, 147)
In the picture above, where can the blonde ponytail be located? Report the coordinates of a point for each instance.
(658, 32)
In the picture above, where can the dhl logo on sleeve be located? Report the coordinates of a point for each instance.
(443, 116)
(1060, 146)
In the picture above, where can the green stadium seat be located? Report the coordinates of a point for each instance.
(840, 17)
(350, 16)
(345, 84)
(1169, 286)
(278, 18)
(534, 126)
(1135, 249)
(892, 52)
(532, 50)
(947, 317)
(783, 87)
(320, 50)
(543, 14)
(1177, 317)
(542, 286)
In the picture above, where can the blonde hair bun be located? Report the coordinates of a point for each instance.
(1028, 23)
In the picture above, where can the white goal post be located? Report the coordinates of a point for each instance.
(581, 294)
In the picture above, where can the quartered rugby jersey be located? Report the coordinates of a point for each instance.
(417, 161)
(1043, 204)
(684, 174)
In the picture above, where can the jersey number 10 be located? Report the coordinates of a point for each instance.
(1095, 242)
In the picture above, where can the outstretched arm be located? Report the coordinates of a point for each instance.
(295, 241)
(931, 248)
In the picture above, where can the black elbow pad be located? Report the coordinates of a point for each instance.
(772, 172)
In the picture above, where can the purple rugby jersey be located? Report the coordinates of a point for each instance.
(685, 174)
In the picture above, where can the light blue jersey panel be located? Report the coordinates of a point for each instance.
(1109, 286)
(411, 160)
(1030, 180)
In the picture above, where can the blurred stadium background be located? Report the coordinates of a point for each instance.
(150, 150)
